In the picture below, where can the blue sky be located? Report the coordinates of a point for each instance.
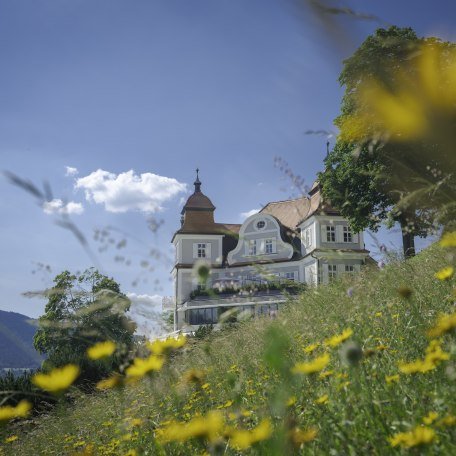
(159, 88)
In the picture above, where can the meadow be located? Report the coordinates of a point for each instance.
(365, 365)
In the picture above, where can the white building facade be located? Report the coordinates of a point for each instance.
(302, 240)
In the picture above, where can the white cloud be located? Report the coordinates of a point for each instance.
(57, 206)
(129, 191)
(146, 312)
(245, 215)
(70, 171)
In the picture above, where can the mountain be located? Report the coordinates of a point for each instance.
(16, 341)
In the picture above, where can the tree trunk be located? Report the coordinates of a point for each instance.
(408, 239)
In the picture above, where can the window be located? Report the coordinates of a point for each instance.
(332, 271)
(252, 247)
(308, 237)
(268, 246)
(201, 251)
(330, 233)
(348, 236)
(207, 316)
(349, 268)
(267, 309)
(290, 275)
(260, 225)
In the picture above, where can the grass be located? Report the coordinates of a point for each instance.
(245, 373)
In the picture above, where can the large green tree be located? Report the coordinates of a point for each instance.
(389, 163)
(82, 310)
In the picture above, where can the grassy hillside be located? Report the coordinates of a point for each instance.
(243, 377)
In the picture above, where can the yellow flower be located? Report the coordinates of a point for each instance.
(391, 378)
(322, 399)
(298, 436)
(448, 240)
(445, 323)
(160, 346)
(291, 401)
(448, 420)
(21, 410)
(445, 273)
(194, 376)
(110, 382)
(325, 374)
(209, 426)
(11, 438)
(58, 379)
(434, 354)
(312, 367)
(226, 405)
(430, 418)
(131, 452)
(141, 367)
(205, 386)
(421, 435)
(101, 350)
(379, 314)
(310, 348)
(339, 338)
(243, 439)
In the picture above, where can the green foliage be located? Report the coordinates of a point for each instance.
(81, 311)
(377, 177)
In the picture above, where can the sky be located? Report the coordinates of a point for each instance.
(108, 107)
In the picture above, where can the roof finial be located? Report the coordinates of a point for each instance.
(197, 182)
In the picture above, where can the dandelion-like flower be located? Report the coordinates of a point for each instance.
(448, 240)
(242, 439)
(445, 273)
(312, 367)
(421, 435)
(101, 350)
(58, 380)
(445, 323)
(21, 410)
(141, 367)
(338, 338)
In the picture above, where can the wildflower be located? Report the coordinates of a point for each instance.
(448, 420)
(141, 367)
(430, 418)
(291, 401)
(317, 365)
(226, 404)
(322, 399)
(339, 338)
(242, 439)
(101, 350)
(110, 382)
(161, 346)
(350, 292)
(194, 376)
(310, 348)
(434, 354)
(421, 435)
(325, 374)
(131, 452)
(209, 426)
(21, 410)
(298, 436)
(58, 379)
(205, 386)
(392, 379)
(445, 323)
(378, 314)
(11, 438)
(350, 353)
(381, 264)
(448, 240)
(445, 273)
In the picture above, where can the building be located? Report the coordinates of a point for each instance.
(301, 240)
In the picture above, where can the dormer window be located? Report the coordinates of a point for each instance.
(348, 236)
(330, 233)
(201, 251)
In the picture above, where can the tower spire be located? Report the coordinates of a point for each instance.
(197, 182)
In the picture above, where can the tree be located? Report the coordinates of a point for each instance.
(82, 310)
(394, 135)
